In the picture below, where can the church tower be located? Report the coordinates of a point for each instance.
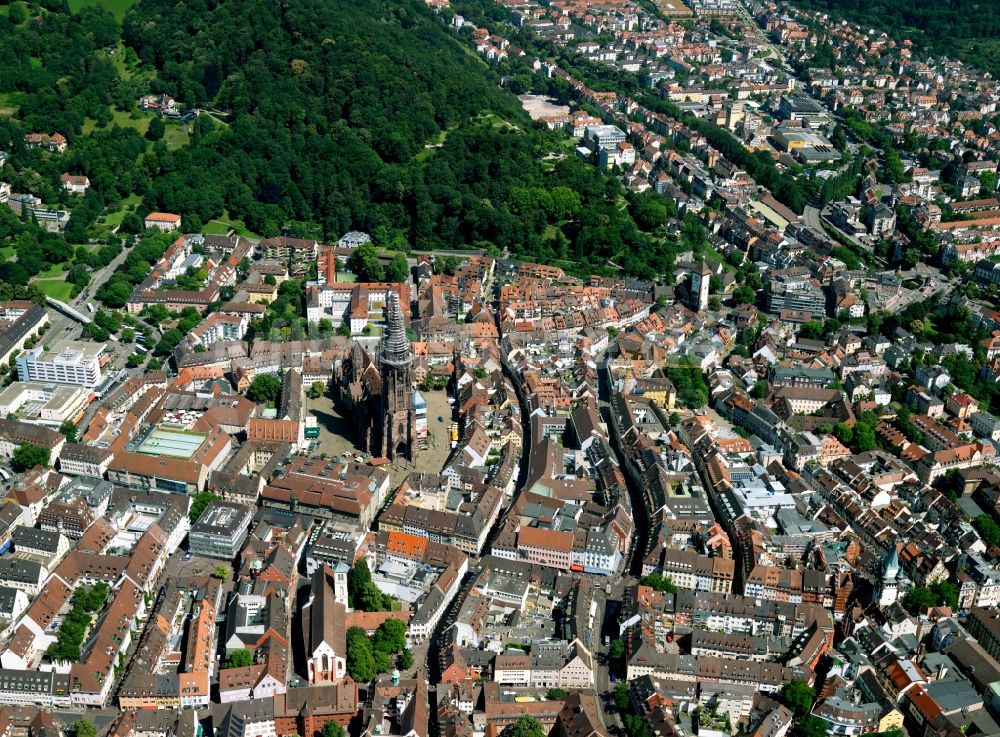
(701, 278)
(340, 572)
(887, 590)
(395, 363)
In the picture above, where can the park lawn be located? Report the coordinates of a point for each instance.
(55, 288)
(118, 8)
(122, 120)
(131, 202)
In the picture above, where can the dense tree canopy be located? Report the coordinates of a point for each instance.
(332, 729)
(659, 582)
(798, 696)
(83, 728)
(28, 456)
(320, 116)
(198, 503)
(240, 658)
(264, 388)
(692, 391)
(390, 637)
(69, 639)
(364, 594)
(525, 727)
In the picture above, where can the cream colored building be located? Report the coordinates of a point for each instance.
(43, 403)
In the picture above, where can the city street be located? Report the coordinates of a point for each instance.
(609, 607)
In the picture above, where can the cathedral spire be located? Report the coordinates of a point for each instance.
(395, 349)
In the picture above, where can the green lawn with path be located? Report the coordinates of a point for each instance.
(53, 272)
(114, 219)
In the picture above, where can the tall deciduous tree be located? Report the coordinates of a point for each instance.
(28, 456)
(525, 727)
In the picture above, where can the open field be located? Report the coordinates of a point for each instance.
(56, 288)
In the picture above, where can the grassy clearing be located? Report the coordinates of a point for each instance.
(118, 8)
(125, 71)
(216, 227)
(431, 146)
(497, 122)
(114, 219)
(53, 272)
(10, 103)
(222, 225)
(122, 120)
(422, 155)
(176, 136)
(55, 288)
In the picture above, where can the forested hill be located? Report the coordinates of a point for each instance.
(316, 117)
(371, 115)
(388, 67)
(328, 100)
(965, 29)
